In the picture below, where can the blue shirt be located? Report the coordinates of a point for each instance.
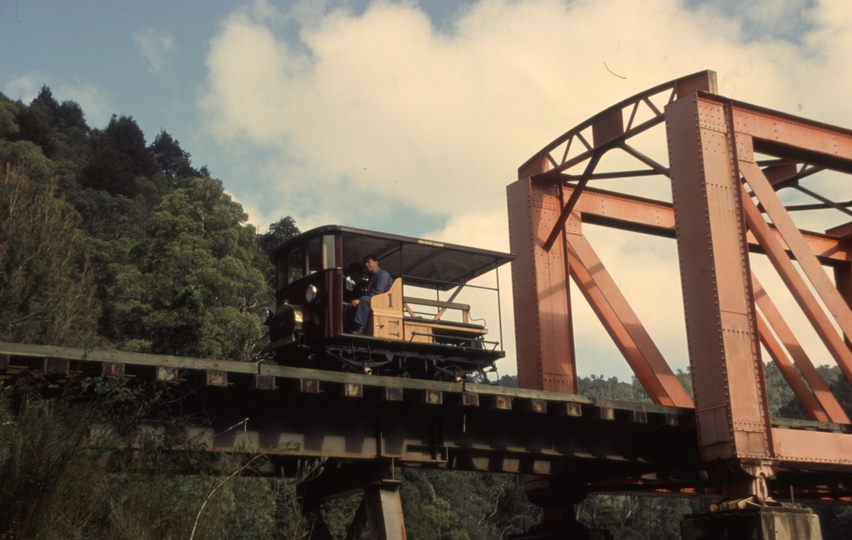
(380, 282)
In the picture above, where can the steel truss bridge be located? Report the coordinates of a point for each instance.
(726, 162)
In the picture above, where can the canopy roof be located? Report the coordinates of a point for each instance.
(425, 263)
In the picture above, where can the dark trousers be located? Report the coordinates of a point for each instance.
(356, 316)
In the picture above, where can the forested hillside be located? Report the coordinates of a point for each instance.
(109, 241)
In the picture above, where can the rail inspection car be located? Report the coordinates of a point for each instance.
(411, 331)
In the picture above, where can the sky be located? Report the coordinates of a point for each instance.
(412, 117)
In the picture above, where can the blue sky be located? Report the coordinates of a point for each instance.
(412, 117)
(147, 59)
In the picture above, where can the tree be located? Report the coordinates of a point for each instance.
(70, 137)
(45, 279)
(279, 231)
(8, 112)
(599, 387)
(173, 160)
(193, 287)
(121, 163)
(448, 505)
(781, 400)
(428, 516)
(28, 158)
(70, 115)
(835, 521)
(36, 122)
(58, 484)
(127, 137)
(45, 98)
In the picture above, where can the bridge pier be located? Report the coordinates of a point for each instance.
(763, 523)
(384, 510)
(380, 510)
(748, 512)
(559, 519)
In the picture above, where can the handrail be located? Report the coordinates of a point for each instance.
(444, 305)
(436, 303)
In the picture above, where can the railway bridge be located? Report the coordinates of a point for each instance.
(365, 426)
(724, 164)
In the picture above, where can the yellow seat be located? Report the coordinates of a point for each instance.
(386, 313)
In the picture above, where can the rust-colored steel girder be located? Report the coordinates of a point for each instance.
(621, 322)
(540, 205)
(365, 426)
(727, 373)
(618, 210)
(726, 161)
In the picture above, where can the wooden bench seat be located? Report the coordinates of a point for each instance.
(386, 313)
(422, 329)
(392, 317)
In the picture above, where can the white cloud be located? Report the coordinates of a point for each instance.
(24, 87)
(371, 111)
(255, 216)
(94, 101)
(154, 45)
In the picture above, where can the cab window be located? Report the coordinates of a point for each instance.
(295, 264)
(315, 262)
(280, 274)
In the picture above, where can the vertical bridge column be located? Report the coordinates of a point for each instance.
(541, 289)
(380, 508)
(730, 397)
(384, 510)
(732, 415)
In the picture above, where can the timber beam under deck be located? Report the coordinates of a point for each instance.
(370, 423)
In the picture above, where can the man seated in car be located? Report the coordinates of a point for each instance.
(357, 312)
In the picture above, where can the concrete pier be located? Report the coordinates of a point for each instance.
(765, 523)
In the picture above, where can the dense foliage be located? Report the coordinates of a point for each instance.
(46, 284)
(128, 481)
(107, 241)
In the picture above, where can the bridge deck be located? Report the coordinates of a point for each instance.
(352, 418)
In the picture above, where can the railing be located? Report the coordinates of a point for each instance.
(463, 308)
(445, 305)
